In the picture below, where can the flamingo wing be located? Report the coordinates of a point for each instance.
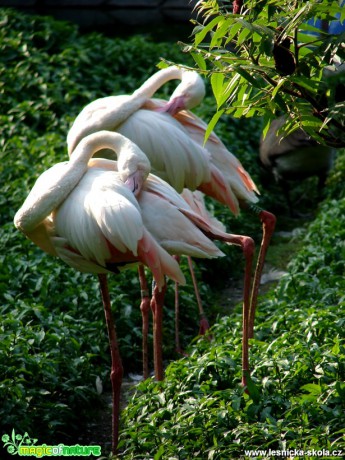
(98, 213)
(173, 155)
(237, 177)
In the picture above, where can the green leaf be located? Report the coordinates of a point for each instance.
(217, 80)
(220, 33)
(234, 29)
(199, 60)
(199, 36)
(253, 391)
(243, 35)
(268, 117)
(277, 88)
(159, 453)
(246, 75)
(212, 123)
(312, 388)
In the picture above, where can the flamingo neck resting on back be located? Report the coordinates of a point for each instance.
(126, 105)
(53, 186)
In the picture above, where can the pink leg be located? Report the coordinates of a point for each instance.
(177, 320)
(145, 310)
(204, 325)
(177, 314)
(157, 302)
(248, 251)
(247, 245)
(268, 224)
(116, 363)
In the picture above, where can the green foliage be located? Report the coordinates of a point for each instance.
(271, 58)
(297, 358)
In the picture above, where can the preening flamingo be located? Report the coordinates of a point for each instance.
(173, 139)
(85, 212)
(173, 155)
(235, 176)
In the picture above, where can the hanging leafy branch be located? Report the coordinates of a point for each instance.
(272, 57)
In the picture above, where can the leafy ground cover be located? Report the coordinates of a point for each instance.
(53, 341)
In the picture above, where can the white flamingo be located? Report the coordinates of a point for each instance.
(86, 212)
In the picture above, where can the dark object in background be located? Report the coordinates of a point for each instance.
(283, 58)
(294, 157)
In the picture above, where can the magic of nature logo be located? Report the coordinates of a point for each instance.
(25, 446)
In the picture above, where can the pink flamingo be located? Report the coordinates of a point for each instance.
(173, 139)
(86, 212)
(243, 187)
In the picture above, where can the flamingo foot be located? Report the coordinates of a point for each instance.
(204, 327)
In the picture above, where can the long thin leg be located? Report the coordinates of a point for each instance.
(177, 314)
(177, 320)
(247, 245)
(248, 251)
(145, 310)
(268, 224)
(116, 363)
(157, 302)
(204, 325)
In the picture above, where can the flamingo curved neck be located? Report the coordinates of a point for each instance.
(157, 80)
(137, 99)
(110, 112)
(54, 186)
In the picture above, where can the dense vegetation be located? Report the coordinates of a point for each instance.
(53, 341)
(268, 56)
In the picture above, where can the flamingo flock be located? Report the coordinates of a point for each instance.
(131, 193)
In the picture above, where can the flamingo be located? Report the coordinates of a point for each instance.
(213, 229)
(98, 217)
(243, 187)
(173, 139)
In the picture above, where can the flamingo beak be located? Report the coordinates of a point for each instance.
(135, 182)
(175, 105)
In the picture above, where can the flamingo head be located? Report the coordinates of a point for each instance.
(189, 93)
(134, 166)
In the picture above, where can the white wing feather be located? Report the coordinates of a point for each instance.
(172, 153)
(101, 208)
